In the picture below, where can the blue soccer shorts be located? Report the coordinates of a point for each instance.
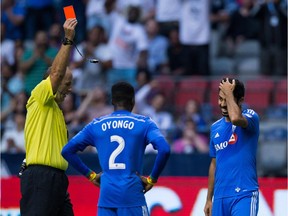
(131, 211)
(242, 205)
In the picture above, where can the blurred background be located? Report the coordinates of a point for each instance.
(174, 52)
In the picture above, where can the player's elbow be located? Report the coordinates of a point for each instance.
(239, 121)
(65, 152)
(165, 151)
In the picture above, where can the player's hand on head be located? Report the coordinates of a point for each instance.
(226, 86)
(69, 28)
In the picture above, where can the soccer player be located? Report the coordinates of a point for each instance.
(120, 139)
(233, 182)
(44, 183)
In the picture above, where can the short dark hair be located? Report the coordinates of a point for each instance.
(239, 90)
(123, 94)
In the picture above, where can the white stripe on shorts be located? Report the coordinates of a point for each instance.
(144, 211)
(253, 206)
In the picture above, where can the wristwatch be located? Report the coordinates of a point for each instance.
(67, 41)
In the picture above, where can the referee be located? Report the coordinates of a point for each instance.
(44, 183)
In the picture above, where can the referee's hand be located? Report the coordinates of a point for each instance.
(69, 28)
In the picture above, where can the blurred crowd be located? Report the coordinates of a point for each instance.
(136, 41)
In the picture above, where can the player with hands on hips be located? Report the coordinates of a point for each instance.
(120, 139)
(233, 182)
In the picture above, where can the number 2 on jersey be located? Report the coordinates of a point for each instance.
(116, 152)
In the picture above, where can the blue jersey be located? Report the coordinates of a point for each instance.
(235, 150)
(120, 139)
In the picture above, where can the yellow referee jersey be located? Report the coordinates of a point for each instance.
(45, 129)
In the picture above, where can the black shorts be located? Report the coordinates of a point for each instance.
(44, 192)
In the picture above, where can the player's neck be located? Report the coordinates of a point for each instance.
(227, 119)
(119, 108)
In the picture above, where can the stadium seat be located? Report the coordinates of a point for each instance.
(258, 94)
(213, 94)
(280, 93)
(277, 112)
(190, 88)
(272, 157)
(272, 149)
(166, 85)
(247, 57)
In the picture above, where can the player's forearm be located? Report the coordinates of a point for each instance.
(211, 179)
(210, 188)
(161, 159)
(69, 153)
(235, 113)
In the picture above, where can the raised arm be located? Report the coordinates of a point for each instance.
(60, 63)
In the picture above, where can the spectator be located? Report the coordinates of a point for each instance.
(155, 108)
(94, 12)
(40, 15)
(36, 60)
(128, 43)
(7, 47)
(18, 53)
(11, 86)
(16, 105)
(220, 12)
(157, 48)
(192, 111)
(143, 77)
(194, 33)
(190, 141)
(20, 101)
(13, 17)
(167, 15)
(55, 35)
(89, 76)
(13, 139)
(101, 13)
(242, 26)
(272, 16)
(176, 54)
(95, 104)
(147, 7)
(69, 108)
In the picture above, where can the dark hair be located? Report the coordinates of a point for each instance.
(123, 94)
(144, 70)
(239, 90)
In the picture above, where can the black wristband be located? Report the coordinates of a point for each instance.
(67, 41)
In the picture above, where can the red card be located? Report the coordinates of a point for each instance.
(69, 12)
